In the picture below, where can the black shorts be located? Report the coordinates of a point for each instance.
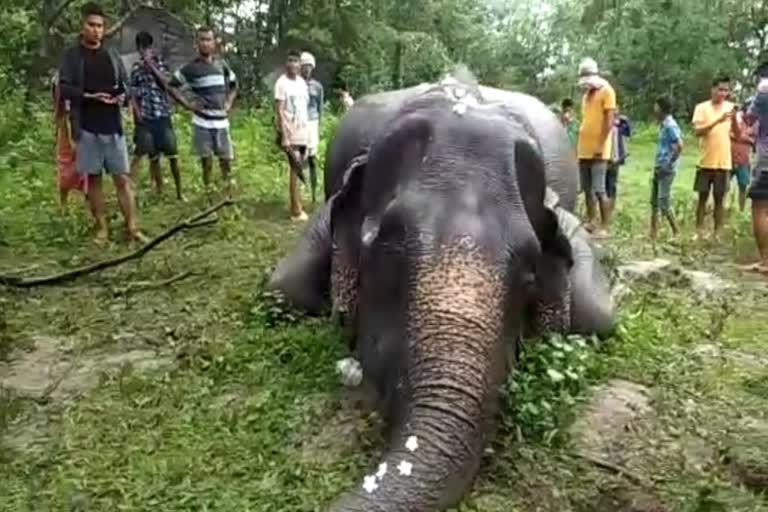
(715, 179)
(154, 138)
(759, 189)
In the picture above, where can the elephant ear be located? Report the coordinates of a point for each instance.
(391, 158)
(539, 202)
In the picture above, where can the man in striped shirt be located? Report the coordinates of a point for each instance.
(214, 86)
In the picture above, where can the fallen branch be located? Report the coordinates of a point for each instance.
(192, 222)
(144, 286)
(619, 470)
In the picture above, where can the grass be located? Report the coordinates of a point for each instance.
(252, 417)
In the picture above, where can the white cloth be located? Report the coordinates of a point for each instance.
(295, 95)
(592, 82)
(307, 59)
(588, 67)
(347, 101)
(313, 137)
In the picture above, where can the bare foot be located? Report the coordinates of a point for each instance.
(759, 267)
(102, 238)
(138, 236)
(302, 217)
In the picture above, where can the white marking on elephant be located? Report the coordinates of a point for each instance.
(405, 468)
(412, 443)
(370, 230)
(382, 470)
(370, 484)
(551, 198)
(350, 372)
(460, 108)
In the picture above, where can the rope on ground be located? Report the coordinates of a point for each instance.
(195, 221)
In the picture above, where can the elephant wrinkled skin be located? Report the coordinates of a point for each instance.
(446, 236)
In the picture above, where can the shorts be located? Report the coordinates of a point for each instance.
(593, 176)
(716, 179)
(759, 189)
(208, 142)
(742, 174)
(155, 137)
(313, 130)
(611, 179)
(97, 153)
(661, 190)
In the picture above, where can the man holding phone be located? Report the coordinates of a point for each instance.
(94, 81)
(714, 121)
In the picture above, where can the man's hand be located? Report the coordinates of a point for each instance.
(285, 144)
(727, 116)
(228, 106)
(598, 155)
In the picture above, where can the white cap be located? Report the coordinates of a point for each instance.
(588, 67)
(307, 58)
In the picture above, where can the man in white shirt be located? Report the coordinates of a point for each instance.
(292, 115)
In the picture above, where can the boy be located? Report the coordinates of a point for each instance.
(568, 118)
(741, 146)
(668, 150)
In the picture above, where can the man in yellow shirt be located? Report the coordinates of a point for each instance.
(598, 111)
(713, 121)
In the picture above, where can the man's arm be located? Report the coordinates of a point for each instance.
(701, 129)
(171, 85)
(608, 120)
(282, 123)
(232, 87)
(321, 104)
(69, 83)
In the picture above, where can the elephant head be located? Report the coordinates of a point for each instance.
(443, 223)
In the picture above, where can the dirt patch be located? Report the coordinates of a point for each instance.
(344, 432)
(747, 456)
(50, 370)
(620, 499)
(601, 429)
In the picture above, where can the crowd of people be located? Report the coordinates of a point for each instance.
(92, 85)
(728, 134)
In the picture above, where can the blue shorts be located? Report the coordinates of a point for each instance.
(97, 153)
(742, 174)
(661, 190)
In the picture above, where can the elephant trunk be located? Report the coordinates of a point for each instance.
(455, 362)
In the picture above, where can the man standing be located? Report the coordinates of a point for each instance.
(598, 109)
(757, 118)
(153, 133)
(292, 115)
(214, 85)
(713, 122)
(94, 81)
(315, 113)
(621, 130)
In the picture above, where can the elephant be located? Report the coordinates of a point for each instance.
(447, 236)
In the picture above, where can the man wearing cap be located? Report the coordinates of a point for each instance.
(314, 115)
(598, 111)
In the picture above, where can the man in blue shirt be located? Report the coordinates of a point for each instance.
(668, 150)
(153, 133)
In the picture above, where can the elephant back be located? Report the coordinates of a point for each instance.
(559, 157)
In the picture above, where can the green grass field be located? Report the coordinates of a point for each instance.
(251, 417)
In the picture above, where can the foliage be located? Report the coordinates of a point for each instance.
(544, 387)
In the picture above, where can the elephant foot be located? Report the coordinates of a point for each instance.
(350, 372)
